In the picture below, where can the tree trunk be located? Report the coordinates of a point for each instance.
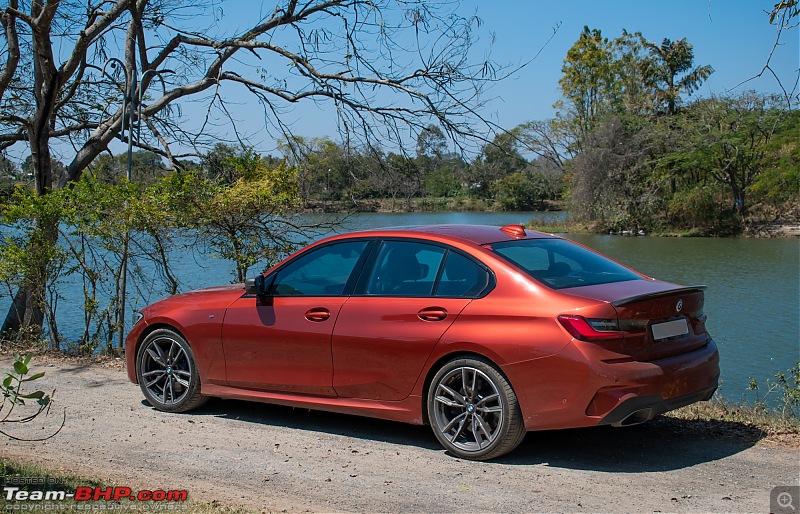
(24, 312)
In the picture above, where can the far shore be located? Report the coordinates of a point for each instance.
(755, 229)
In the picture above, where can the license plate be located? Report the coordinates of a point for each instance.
(668, 329)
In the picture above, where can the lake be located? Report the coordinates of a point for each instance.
(752, 300)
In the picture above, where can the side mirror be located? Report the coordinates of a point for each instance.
(258, 285)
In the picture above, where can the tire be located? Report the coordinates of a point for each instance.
(473, 410)
(167, 372)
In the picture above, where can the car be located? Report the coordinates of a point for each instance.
(481, 332)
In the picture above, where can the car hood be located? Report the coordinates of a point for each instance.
(221, 295)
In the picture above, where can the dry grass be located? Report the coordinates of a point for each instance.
(741, 421)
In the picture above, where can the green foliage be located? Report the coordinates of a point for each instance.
(780, 179)
(784, 12)
(707, 209)
(12, 389)
(146, 168)
(245, 221)
(588, 81)
(787, 389)
(521, 191)
(90, 230)
(671, 72)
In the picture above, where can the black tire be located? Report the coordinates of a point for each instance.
(167, 373)
(473, 410)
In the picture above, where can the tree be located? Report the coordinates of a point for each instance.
(612, 180)
(588, 82)
(247, 221)
(733, 136)
(672, 73)
(521, 191)
(384, 66)
(146, 167)
(8, 169)
(636, 92)
(499, 158)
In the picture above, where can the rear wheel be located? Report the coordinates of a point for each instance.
(167, 372)
(473, 410)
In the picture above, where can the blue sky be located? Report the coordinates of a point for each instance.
(733, 36)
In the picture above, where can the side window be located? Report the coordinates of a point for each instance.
(321, 272)
(405, 268)
(461, 277)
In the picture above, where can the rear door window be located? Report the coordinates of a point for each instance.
(405, 268)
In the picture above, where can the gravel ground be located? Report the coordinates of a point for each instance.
(281, 459)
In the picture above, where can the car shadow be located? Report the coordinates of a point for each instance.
(662, 444)
(320, 421)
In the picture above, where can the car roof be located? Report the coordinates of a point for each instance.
(476, 234)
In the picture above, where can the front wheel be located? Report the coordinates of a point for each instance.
(167, 372)
(473, 410)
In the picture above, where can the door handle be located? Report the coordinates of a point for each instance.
(432, 314)
(318, 314)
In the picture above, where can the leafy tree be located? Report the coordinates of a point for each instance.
(499, 158)
(246, 222)
(521, 191)
(431, 148)
(8, 169)
(53, 88)
(635, 90)
(705, 208)
(146, 167)
(217, 163)
(733, 135)
(779, 182)
(589, 81)
(672, 72)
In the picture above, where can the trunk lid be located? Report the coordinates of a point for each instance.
(655, 319)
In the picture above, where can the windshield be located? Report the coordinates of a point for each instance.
(560, 264)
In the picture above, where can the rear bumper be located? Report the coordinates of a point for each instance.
(643, 408)
(576, 388)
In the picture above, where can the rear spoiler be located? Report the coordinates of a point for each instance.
(660, 294)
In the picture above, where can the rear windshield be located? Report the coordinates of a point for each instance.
(560, 264)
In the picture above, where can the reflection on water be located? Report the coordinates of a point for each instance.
(752, 300)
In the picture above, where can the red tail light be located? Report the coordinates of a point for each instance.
(600, 329)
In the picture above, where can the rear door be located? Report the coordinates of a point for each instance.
(403, 304)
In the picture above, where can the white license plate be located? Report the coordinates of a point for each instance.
(678, 327)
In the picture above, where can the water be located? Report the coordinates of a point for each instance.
(752, 300)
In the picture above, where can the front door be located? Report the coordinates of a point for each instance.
(282, 342)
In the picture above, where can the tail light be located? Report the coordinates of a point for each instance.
(593, 329)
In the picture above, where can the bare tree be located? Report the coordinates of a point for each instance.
(389, 68)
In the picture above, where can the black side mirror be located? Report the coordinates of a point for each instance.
(258, 285)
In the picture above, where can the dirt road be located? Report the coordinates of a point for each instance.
(275, 458)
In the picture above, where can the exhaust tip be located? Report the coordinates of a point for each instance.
(636, 418)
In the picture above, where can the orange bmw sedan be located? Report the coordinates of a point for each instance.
(482, 332)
